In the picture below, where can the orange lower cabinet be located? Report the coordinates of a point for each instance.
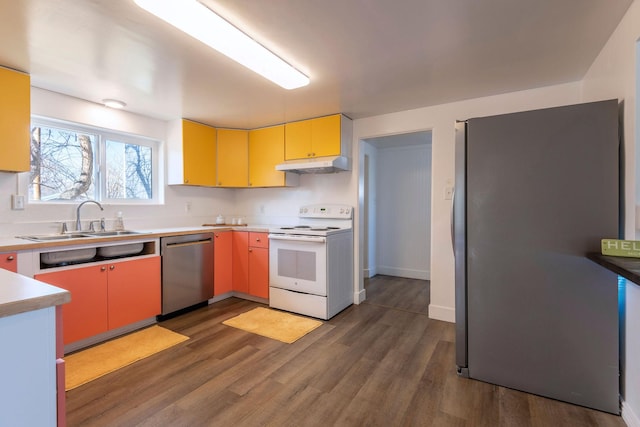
(9, 261)
(133, 291)
(107, 296)
(259, 272)
(222, 262)
(86, 314)
(240, 262)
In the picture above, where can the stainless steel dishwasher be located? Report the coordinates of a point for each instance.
(187, 270)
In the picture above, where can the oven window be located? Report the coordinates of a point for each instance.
(297, 264)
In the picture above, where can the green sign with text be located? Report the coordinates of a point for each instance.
(614, 247)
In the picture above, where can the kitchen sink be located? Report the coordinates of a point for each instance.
(54, 237)
(71, 255)
(120, 250)
(110, 233)
(76, 235)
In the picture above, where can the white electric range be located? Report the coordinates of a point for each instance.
(311, 263)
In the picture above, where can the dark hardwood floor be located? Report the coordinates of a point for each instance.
(399, 293)
(380, 363)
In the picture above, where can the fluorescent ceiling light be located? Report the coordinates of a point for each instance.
(202, 23)
(113, 103)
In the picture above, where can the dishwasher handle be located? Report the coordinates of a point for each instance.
(192, 243)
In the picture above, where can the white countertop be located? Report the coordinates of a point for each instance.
(19, 294)
(8, 244)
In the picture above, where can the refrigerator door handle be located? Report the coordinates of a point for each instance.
(458, 227)
(453, 220)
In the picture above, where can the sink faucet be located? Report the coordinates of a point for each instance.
(78, 224)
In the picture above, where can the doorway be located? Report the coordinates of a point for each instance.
(397, 213)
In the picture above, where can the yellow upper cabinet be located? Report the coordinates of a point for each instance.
(233, 158)
(319, 137)
(15, 121)
(199, 151)
(325, 136)
(266, 150)
(298, 140)
(192, 153)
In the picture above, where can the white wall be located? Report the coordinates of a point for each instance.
(204, 203)
(403, 209)
(280, 205)
(615, 74)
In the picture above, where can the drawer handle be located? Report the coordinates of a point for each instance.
(10, 258)
(112, 267)
(257, 239)
(103, 268)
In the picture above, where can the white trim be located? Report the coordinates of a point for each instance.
(404, 272)
(629, 417)
(359, 296)
(438, 312)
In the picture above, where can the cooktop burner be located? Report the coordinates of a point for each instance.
(319, 220)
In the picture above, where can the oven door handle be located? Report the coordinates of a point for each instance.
(298, 238)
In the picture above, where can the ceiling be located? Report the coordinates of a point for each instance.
(364, 57)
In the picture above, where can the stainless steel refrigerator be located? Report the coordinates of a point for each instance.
(535, 191)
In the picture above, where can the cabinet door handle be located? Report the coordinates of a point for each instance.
(10, 258)
(250, 250)
(103, 268)
(257, 239)
(112, 267)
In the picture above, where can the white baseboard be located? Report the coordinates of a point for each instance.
(629, 416)
(404, 272)
(366, 273)
(359, 296)
(439, 312)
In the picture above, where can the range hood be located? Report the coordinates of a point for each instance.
(330, 164)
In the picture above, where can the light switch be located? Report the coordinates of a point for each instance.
(17, 202)
(448, 193)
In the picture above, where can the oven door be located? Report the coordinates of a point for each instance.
(298, 263)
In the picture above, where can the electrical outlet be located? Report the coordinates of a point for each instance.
(17, 202)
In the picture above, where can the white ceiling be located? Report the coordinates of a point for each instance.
(364, 57)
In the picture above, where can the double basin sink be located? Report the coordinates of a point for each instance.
(76, 235)
(84, 254)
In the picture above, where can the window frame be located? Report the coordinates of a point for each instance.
(99, 160)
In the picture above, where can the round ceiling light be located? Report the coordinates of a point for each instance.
(113, 103)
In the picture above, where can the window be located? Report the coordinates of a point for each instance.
(70, 162)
